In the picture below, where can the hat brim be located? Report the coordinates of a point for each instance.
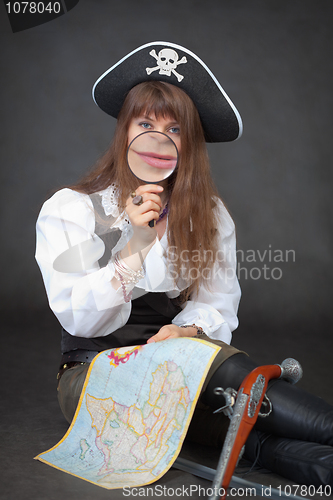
(220, 119)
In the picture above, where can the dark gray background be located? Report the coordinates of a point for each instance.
(274, 59)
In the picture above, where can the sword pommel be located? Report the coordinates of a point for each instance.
(291, 370)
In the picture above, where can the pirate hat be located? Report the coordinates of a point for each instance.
(173, 64)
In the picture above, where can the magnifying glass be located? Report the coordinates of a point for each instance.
(152, 157)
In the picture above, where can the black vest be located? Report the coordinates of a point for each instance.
(149, 312)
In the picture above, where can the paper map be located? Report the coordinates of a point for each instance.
(134, 412)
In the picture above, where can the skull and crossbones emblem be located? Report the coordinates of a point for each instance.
(167, 62)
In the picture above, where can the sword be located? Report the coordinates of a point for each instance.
(244, 415)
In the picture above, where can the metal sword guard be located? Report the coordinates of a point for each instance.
(229, 395)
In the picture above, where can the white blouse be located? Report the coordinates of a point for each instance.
(80, 292)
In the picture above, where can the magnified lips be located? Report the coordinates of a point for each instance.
(158, 161)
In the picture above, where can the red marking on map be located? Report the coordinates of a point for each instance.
(122, 355)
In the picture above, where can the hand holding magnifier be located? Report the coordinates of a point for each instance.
(152, 157)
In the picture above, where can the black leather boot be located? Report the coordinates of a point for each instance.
(303, 462)
(296, 414)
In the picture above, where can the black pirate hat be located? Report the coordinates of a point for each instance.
(173, 64)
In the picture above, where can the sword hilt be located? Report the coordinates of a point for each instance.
(249, 399)
(291, 370)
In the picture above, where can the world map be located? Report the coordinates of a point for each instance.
(134, 412)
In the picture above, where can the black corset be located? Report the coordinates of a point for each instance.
(149, 313)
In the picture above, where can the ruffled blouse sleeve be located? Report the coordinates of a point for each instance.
(79, 292)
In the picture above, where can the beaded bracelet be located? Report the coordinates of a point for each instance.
(126, 275)
(199, 329)
(127, 296)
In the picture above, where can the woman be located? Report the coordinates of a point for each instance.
(176, 279)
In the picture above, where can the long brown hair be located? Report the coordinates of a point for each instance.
(191, 221)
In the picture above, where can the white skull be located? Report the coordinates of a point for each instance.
(167, 61)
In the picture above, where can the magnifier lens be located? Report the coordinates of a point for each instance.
(152, 157)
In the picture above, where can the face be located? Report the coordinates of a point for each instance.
(145, 123)
(152, 156)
